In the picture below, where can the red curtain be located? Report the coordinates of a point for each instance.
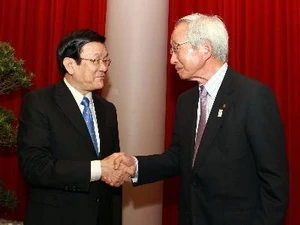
(264, 44)
(34, 29)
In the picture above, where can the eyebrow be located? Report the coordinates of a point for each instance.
(97, 54)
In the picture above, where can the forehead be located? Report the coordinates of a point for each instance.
(94, 48)
(180, 32)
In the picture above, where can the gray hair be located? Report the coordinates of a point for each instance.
(203, 28)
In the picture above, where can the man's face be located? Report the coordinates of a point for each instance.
(188, 62)
(89, 75)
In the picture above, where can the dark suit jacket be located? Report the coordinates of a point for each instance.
(240, 175)
(55, 151)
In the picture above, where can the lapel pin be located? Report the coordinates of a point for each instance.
(220, 113)
(224, 106)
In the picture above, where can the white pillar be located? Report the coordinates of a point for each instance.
(137, 32)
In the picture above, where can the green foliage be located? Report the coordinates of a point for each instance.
(7, 130)
(12, 73)
(8, 199)
(12, 76)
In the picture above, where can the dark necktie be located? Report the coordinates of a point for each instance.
(88, 118)
(202, 121)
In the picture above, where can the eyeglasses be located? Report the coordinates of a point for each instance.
(96, 62)
(176, 46)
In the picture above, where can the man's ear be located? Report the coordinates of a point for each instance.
(69, 64)
(207, 50)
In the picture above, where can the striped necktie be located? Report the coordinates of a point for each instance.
(202, 121)
(88, 118)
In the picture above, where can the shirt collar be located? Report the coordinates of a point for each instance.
(76, 94)
(213, 84)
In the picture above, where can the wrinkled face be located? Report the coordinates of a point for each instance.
(188, 62)
(90, 73)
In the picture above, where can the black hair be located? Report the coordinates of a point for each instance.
(71, 45)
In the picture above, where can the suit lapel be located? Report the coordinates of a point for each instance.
(68, 105)
(219, 110)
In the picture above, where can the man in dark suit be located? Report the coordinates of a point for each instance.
(237, 173)
(62, 156)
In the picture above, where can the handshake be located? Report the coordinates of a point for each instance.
(118, 168)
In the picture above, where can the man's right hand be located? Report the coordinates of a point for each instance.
(117, 168)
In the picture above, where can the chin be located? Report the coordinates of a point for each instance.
(184, 77)
(99, 85)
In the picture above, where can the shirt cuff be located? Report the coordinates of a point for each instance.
(96, 170)
(135, 178)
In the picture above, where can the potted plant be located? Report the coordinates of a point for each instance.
(12, 76)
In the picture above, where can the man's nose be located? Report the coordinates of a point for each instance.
(173, 59)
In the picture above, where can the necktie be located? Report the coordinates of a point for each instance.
(202, 121)
(88, 118)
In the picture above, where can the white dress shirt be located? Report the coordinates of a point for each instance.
(212, 87)
(96, 170)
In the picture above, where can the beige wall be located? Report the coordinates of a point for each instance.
(137, 43)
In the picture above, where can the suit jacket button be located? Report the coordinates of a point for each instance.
(97, 199)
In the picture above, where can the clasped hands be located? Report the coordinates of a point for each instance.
(117, 169)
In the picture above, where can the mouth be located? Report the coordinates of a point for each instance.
(100, 77)
(178, 69)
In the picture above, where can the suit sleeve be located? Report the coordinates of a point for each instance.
(157, 167)
(266, 137)
(39, 166)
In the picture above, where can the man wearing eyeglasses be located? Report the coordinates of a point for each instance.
(65, 136)
(228, 141)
